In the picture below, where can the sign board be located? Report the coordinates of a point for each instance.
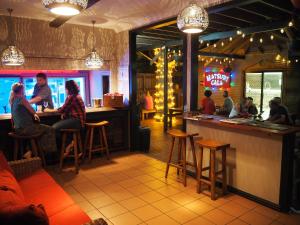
(218, 79)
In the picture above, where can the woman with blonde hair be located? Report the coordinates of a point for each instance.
(26, 121)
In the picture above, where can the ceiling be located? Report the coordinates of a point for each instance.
(119, 15)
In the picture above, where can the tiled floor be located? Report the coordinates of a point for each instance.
(131, 189)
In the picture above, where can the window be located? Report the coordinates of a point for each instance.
(5, 88)
(262, 87)
(56, 84)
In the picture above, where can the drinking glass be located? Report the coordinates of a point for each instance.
(45, 104)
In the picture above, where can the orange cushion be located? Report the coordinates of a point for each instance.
(9, 188)
(72, 215)
(148, 102)
(40, 188)
(4, 164)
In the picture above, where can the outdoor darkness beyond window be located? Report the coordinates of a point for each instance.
(262, 87)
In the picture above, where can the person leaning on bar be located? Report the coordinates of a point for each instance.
(278, 113)
(208, 104)
(26, 121)
(73, 113)
(42, 92)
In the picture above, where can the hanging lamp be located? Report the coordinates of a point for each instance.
(193, 19)
(65, 7)
(12, 56)
(93, 60)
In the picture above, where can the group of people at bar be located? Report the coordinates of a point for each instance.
(25, 120)
(246, 108)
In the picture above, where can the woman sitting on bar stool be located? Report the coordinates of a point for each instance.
(72, 112)
(26, 121)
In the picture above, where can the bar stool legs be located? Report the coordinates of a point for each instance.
(181, 160)
(213, 147)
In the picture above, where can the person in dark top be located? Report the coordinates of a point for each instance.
(278, 113)
(42, 92)
(207, 104)
(251, 107)
(26, 121)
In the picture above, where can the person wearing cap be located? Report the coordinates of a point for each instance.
(25, 120)
(42, 92)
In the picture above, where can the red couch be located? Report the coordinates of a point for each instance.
(30, 184)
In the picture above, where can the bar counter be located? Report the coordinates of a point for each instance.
(260, 157)
(117, 131)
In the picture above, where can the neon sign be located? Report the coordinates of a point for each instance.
(217, 79)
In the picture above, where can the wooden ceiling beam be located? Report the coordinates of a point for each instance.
(255, 13)
(235, 18)
(274, 6)
(230, 5)
(152, 32)
(249, 30)
(220, 55)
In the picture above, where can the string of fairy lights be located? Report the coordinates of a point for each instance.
(260, 40)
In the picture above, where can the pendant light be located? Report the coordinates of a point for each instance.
(65, 7)
(193, 19)
(12, 56)
(93, 60)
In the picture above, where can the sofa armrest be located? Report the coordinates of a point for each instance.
(25, 167)
(99, 221)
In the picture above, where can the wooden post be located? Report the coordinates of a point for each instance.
(166, 109)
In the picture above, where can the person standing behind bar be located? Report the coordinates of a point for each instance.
(42, 92)
(228, 103)
(208, 105)
(25, 120)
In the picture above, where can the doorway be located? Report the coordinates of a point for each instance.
(105, 85)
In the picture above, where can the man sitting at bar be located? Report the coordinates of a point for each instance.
(207, 104)
(42, 92)
(228, 103)
(251, 107)
(278, 113)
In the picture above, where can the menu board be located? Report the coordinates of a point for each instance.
(217, 79)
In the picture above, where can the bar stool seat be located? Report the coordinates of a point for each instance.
(76, 138)
(181, 161)
(34, 142)
(213, 146)
(89, 139)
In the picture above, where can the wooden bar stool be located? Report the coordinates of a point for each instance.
(181, 161)
(213, 146)
(76, 138)
(34, 142)
(89, 144)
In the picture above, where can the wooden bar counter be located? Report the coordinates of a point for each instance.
(118, 129)
(260, 159)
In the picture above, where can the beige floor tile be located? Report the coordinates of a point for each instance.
(151, 196)
(77, 198)
(86, 206)
(234, 209)
(101, 201)
(218, 217)
(158, 174)
(199, 221)
(133, 203)
(120, 195)
(163, 220)
(182, 215)
(255, 218)
(126, 219)
(182, 198)
(199, 207)
(275, 222)
(167, 190)
(192, 192)
(139, 189)
(156, 184)
(146, 212)
(216, 203)
(94, 214)
(101, 182)
(117, 177)
(166, 205)
(144, 178)
(237, 222)
(245, 202)
(112, 210)
(272, 214)
(129, 183)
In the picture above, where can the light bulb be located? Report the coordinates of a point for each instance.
(251, 39)
(244, 35)
(291, 24)
(261, 40)
(230, 39)
(272, 37)
(222, 43)
(282, 30)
